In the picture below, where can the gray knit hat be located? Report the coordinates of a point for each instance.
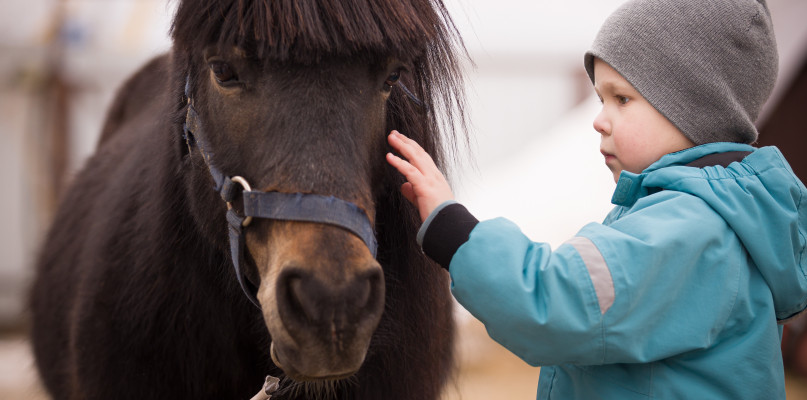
(706, 65)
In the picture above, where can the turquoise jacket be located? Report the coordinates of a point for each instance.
(676, 295)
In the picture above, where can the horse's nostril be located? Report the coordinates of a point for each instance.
(295, 294)
(372, 299)
(361, 294)
(295, 303)
(307, 300)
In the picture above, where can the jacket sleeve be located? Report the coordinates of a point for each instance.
(445, 230)
(657, 282)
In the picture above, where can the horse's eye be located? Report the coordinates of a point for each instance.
(393, 78)
(223, 72)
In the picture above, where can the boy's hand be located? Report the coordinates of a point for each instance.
(426, 188)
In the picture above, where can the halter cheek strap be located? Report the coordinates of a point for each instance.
(304, 207)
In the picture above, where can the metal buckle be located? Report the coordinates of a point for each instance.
(243, 182)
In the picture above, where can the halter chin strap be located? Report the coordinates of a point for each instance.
(303, 207)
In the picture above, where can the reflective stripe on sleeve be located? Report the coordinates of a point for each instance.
(597, 270)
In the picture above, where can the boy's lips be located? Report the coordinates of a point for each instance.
(608, 156)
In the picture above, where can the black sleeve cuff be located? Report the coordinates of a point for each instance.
(449, 229)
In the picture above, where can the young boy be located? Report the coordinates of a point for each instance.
(680, 292)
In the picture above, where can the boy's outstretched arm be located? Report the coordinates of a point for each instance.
(446, 224)
(426, 187)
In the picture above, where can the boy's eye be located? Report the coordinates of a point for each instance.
(622, 100)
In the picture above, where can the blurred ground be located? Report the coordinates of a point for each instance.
(487, 371)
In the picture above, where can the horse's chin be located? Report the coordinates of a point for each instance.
(299, 375)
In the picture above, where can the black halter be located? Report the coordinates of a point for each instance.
(271, 205)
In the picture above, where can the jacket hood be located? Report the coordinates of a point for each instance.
(760, 198)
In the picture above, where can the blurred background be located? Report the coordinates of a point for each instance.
(535, 155)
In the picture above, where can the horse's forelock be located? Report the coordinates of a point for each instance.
(303, 30)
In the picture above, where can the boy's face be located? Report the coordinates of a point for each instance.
(634, 133)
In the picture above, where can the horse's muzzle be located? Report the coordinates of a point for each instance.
(330, 321)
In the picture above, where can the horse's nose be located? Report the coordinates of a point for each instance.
(334, 310)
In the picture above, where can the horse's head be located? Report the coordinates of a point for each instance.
(297, 97)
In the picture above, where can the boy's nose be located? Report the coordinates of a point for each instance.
(601, 124)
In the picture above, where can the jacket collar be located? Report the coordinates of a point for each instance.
(630, 188)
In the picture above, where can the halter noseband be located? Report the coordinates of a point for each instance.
(304, 207)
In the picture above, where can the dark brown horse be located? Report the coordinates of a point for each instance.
(136, 294)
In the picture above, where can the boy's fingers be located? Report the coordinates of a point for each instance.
(406, 146)
(404, 167)
(407, 140)
(412, 151)
(397, 142)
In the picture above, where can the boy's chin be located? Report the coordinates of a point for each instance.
(615, 171)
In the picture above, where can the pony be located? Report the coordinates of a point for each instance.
(152, 283)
